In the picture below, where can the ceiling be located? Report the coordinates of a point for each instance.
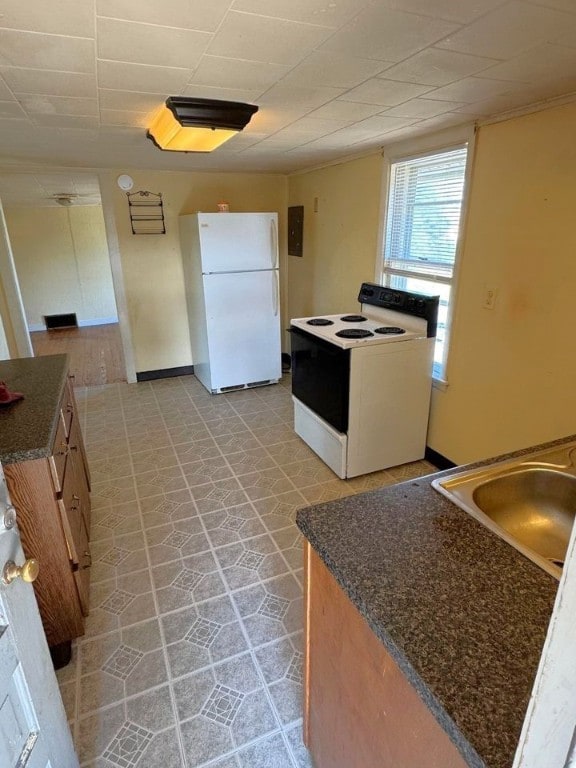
(80, 79)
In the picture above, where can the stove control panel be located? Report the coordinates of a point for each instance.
(415, 304)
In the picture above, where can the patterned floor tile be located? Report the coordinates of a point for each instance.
(176, 540)
(222, 708)
(197, 450)
(108, 522)
(123, 735)
(154, 459)
(185, 582)
(215, 623)
(159, 481)
(221, 494)
(233, 524)
(231, 443)
(299, 751)
(271, 610)
(166, 507)
(282, 664)
(268, 482)
(205, 470)
(250, 460)
(270, 752)
(203, 634)
(117, 556)
(280, 510)
(250, 561)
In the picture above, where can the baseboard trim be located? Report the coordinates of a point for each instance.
(438, 460)
(32, 327)
(165, 373)
(98, 321)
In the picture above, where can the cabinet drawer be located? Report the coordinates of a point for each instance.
(76, 535)
(59, 454)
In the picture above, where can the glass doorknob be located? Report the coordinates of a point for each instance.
(28, 571)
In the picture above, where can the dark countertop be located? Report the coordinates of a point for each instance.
(463, 613)
(28, 427)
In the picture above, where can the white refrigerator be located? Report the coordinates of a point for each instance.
(230, 263)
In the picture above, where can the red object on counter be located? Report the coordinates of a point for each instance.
(7, 397)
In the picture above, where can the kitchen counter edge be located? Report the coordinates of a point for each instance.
(404, 549)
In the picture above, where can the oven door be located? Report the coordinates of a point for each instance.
(321, 377)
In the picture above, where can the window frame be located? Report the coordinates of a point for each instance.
(422, 147)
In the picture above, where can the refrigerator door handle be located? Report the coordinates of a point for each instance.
(275, 293)
(273, 245)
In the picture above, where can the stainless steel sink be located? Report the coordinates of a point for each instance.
(530, 502)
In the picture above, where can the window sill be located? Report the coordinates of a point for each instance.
(440, 384)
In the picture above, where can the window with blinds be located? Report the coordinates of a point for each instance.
(421, 234)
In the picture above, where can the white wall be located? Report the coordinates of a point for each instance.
(62, 261)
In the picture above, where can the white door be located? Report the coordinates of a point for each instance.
(33, 728)
(237, 242)
(243, 322)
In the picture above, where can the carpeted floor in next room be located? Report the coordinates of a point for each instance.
(193, 648)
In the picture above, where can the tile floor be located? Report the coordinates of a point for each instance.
(193, 648)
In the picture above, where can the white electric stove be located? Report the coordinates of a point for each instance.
(361, 381)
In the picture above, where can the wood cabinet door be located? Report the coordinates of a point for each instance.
(360, 710)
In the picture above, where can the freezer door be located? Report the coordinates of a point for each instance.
(243, 320)
(237, 242)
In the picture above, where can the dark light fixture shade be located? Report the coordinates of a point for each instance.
(188, 124)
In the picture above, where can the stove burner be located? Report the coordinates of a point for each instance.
(353, 318)
(389, 329)
(354, 333)
(319, 321)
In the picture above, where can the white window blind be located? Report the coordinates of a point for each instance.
(422, 225)
(424, 214)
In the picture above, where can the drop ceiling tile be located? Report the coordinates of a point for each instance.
(471, 89)
(129, 101)
(303, 99)
(144, 78)
(437, 67)
(12, 109)
(322, 12)
(333, 69)
(41, 51)
(387, 35)
(204, 15)
(388, 93)
(274, 41)
(66, 17)
(5, 92)
(423, 108)
(65, 121)
(509, 30)
(462, 11)
(227, 94)
(51, 83)
(60, 105)
(560, 5)
(544, 60)
(124, 117)
(237, 73)
(136, 43)
(346, 110)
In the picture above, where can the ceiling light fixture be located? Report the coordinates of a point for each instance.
(198, 125)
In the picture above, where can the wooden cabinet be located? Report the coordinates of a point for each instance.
(52, 501)
(359, 708)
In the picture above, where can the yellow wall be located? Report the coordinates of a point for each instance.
(152, 264)
(340, 239)
(61, 258)
(512, 370)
